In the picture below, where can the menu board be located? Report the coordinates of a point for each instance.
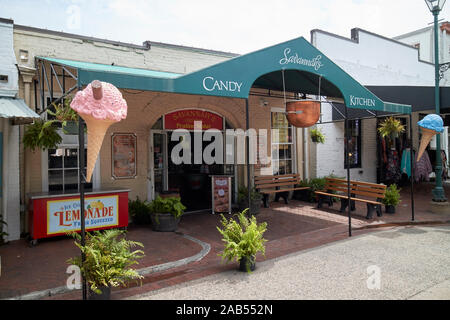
(221, 194)
(124, 155)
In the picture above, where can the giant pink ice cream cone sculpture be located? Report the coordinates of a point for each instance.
(100, 105)
(431, 125)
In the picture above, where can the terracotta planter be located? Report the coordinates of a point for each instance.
(310, 113)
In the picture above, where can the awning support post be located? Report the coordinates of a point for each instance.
(412, 166)
(347, 163)
(247, 125)
(82, 164)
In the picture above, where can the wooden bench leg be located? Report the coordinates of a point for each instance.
(266, 200)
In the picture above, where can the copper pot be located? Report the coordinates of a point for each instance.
(309, 115)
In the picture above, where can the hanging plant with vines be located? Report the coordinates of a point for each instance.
(41, 135)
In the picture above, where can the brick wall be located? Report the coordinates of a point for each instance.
(328, 158)
(158, 57)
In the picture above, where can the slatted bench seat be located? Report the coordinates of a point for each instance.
(280, 185)
(369, 193)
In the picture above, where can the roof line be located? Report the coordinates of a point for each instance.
(355, 39)
(145, 46)
(416, 31)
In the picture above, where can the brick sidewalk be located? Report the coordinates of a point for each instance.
(293, 227)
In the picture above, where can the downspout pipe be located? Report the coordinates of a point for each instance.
(5, 178)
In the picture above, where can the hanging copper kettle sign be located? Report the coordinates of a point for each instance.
(303, 113)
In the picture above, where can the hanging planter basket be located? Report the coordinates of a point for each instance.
(303, 113)
(70, 127)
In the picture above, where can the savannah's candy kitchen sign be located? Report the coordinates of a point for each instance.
(64, 215)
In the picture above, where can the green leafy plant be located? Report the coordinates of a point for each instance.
(63, 111)
(243, 194)
(63, 114)
(243, 237)
(317, 135)
(108, 259)
(170, 205)
(392, 195)
(41, 135)
(139, 211)
(390, 127)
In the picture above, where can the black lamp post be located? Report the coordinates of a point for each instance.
(435, 7)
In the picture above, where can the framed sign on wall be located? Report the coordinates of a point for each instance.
(124, 155)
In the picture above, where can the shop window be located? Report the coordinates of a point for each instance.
(354, 145)
(63, 170)
(283, 152)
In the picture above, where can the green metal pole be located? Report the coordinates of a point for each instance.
(438, 191)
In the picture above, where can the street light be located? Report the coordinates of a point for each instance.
(435, 7)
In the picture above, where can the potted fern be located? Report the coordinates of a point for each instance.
(243, 240)
(317, 136)
(391, 198)
(108, 261)
(41, 135)
(255, 199)
(139, 211)
(165, 213)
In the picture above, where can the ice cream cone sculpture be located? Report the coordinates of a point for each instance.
(100, 105)
(431, 125)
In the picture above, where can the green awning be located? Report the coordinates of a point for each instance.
(17, 110)
(304, 67)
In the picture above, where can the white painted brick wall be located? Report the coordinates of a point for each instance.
(328, 158)
(11, 133)
(8, 61)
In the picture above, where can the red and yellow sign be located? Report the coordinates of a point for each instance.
(184, 119)
(56, 215)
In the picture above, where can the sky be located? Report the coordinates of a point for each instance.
(237, 26)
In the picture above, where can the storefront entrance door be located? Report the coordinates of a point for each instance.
(157, 174)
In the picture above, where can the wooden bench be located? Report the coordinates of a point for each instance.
(280, 185)
(369, 193)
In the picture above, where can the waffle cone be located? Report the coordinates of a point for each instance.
(427, 135)
(96, 130)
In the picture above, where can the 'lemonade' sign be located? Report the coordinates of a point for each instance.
(64, 215)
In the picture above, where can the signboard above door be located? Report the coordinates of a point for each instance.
(184, 119)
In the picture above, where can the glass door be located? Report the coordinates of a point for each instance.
(157, 175)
